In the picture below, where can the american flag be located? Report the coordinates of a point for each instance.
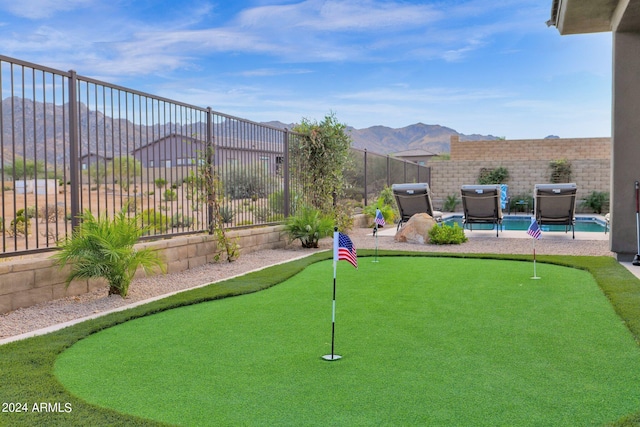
(346, 250)
(379, 218)
(534, 231)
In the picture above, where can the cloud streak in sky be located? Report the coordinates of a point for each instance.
(477, 63)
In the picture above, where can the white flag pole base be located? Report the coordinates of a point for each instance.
(331, 357)
(536, 277)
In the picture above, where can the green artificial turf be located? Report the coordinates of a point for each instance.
(424, 340)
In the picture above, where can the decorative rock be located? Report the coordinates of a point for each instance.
(416, 230)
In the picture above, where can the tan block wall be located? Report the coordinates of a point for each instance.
(527, 162)
(27, 282)
(531, 149)
(448, 176)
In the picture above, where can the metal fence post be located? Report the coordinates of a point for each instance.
(286, 199)
(388, 170)
(209, 181)
(74, 160)
(405, 170)
(365, 178)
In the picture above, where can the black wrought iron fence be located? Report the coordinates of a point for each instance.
(70, 143)
(373, 172)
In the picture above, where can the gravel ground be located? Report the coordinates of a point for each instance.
(27, 320)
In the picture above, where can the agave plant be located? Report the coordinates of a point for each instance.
(309, 225)
(104, 247)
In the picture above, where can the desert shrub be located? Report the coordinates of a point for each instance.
(29, 212)
(447, 235)
(343, 216)
(451, 202)
(309, 225)
(560, 171)
(181, 221)
(518, 198)
(261, 213)
(276, 201)
(387, 205)
(153, 221)
(20, 226)
(226, 214)
(170, 195)
(51, 213)
(160, 182)
(596, 201)
(498, 175)
(242, 182)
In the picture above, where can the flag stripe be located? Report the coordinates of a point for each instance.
(346, 250)
(534, 231)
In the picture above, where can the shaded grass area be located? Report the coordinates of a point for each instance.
(26, 367)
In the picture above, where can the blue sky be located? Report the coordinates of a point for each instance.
(477, 66)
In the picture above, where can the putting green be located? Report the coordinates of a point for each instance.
(425, 341)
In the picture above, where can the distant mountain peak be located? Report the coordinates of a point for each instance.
(419, 136)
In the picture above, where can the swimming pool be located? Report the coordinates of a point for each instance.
(522, 222)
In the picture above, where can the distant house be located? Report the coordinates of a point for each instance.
(170, 151)
(417, 155)
(177, 150)
(86, 160)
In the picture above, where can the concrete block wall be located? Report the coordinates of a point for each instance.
(531, 149)
(528, 162)
(33, 280)
(448, 176)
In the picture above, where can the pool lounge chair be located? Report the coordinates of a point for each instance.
(555, 204)
(412, 199)
(482, 205)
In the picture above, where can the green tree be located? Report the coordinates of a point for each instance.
(321, 156)
(25, 169)
(104, 247)
(98, 172)
(124, 169)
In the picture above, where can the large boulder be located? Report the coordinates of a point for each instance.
(416, 230)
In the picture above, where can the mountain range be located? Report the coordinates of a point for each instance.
(386, 140)
(37, 129)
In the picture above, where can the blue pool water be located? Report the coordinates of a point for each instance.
(520, 222)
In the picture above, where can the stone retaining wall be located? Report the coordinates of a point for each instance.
(32, 280)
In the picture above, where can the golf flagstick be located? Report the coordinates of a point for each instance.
(535, 276)
(378, 221)
(636, 259)
(343, 248)
(334, 356)
(375, 233)
(535, 232)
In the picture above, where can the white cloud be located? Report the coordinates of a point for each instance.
(333, 15)
(269, 72)
(39, 9)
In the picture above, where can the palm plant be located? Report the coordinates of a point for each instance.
(309, 225)
(104, 247)
(387, 205)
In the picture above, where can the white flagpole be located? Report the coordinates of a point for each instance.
(375, 232)
(535, 276)
(333, 356)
